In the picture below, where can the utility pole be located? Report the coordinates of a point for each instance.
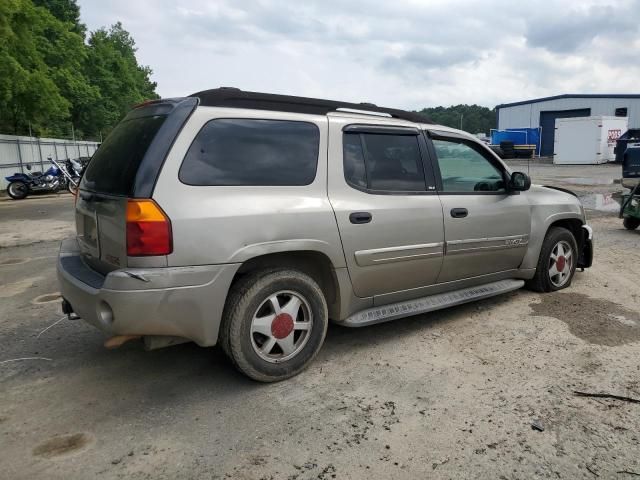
(461, 117)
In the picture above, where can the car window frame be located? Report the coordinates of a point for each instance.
(429, 176)
(306, 185)
(453, 137)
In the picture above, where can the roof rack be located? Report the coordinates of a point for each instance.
(236, 98)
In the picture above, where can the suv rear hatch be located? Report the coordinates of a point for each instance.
(126, 166)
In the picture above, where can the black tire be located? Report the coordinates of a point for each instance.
(18, 190)
(244, 300)
(73, 189)
(542, 282)
(631, 223)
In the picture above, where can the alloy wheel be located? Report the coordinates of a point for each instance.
(281, 326)
(561, 263)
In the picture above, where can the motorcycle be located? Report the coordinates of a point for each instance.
(75, 169)
(57, 177)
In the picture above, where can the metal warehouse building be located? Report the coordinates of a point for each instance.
(542, 112)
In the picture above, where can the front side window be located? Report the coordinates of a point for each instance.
(252, 152)
(383, 162)
(464, 169)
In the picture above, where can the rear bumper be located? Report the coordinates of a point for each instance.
(173, 301)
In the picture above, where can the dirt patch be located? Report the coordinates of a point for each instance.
(27, 232)
(47, 298)
(62, 445)
(16, 288)
(594, 320)
(13, 261)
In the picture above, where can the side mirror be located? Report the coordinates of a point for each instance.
(519, 182)
(28, 167)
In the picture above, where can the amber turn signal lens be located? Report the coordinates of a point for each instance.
(148, 229)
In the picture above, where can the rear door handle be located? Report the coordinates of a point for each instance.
(360, 217)
(459, 212)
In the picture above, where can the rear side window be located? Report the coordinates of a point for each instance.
(114, 166)
(383, 162)
(252, 152)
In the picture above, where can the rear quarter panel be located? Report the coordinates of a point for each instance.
(231, 224)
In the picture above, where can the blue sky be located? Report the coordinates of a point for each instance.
(401, 53)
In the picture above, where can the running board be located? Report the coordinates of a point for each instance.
(393, 311)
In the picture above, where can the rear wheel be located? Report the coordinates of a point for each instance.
(274, 324)
(557, 262)
(631, 223)
(18, 190)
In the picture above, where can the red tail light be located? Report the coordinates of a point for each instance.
(148, 229)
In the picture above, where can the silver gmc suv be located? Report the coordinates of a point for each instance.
(250, 220)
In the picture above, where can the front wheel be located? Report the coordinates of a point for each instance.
(557, 262)
(274, 324)
(72, 186)
(631, 223)
(18, 190)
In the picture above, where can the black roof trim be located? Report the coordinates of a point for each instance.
(236, 98)
(569, 95)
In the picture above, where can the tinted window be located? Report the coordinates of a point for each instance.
(465, 169)
(354, 170)
(252, 152)
(113, 167)
(383, 162)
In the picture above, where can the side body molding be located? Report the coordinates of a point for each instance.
(398, 254)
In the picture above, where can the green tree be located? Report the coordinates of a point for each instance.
(52, 81)
(112, 67)
(66, 11)
(471, 118)
(28, 93)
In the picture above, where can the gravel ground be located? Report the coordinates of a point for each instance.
(451, 394)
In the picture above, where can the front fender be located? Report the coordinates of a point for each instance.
(540, 224)
(548, 206)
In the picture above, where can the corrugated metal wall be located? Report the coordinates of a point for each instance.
(528, 115)
(17, 152)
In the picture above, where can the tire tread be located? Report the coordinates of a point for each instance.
(242, 294)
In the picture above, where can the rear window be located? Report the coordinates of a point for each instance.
(252, 152)
(114, 166)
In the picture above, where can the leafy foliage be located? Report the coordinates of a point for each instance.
(474, 118)
(51, 80)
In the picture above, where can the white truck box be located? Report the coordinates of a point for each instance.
(587, 140)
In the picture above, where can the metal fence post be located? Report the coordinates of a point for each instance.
(19, 156)
(40, 154)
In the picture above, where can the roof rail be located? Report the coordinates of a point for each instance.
(235, 98)
(363, 112)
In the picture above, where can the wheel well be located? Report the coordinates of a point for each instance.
(574, 225)
(315, 264)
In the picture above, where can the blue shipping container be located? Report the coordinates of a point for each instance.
(519, 136)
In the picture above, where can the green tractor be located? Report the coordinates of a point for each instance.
(630, 203)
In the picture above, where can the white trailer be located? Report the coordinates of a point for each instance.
(587, 140)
